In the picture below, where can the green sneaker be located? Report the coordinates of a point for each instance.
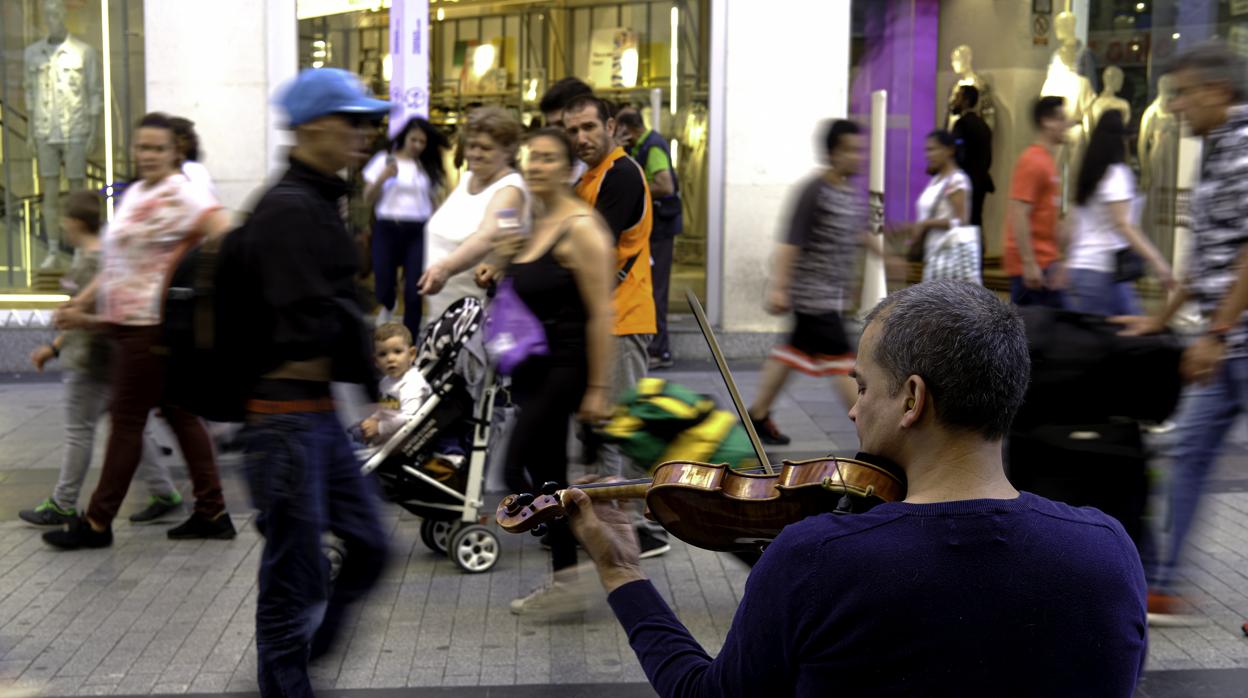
(48, 513)
(158, 507)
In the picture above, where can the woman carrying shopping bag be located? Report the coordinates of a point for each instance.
(948, 247)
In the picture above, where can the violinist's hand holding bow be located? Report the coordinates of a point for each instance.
(606, 532)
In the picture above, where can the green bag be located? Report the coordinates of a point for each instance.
(659, 421)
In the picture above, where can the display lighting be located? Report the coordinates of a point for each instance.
(530, 95)
(1139, 7)
(675, 56)
(482, 60)
(318, 64)
(628, 67)
(441, 15)
(1176, 36)
(387, 67)
(33, 297)
(674, 149)
(107, 50)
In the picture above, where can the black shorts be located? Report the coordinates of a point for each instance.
(818, 346)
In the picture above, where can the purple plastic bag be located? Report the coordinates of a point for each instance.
(512, 332)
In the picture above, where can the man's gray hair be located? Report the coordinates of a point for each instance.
(967, 345)
(1214, 62)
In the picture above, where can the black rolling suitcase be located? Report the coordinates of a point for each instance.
(1077, 438)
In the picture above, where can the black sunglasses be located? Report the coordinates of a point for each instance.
(357, 120)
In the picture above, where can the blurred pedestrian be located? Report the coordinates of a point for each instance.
(651, 152)
(1212, 98)
(402, 184)
(492, 194)
(976, 161)
(616, 187)
(1105, 242)
(296, 260)
(162, 215)
(1032, 245)
(949, 243)
(188, 151)
(563, 273)
(812, 272)
(86, 359)
(554, 101)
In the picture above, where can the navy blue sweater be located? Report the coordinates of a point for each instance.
(989, 597)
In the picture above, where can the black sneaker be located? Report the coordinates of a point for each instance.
(48, 513)
(658, 363)
(158, 507)
(79, 534)
(651, 544)
(769, 433)
(200, 527)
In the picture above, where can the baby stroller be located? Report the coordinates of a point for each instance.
(434, 465)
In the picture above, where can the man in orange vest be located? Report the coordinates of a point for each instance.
(616, 186)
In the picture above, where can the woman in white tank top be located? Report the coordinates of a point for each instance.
(460, 234)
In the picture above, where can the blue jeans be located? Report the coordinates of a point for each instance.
(1096, 292)
(1046, 296)
(305, 480)
(1205, 419)
(399, 244)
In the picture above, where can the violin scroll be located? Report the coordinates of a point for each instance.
(518, 513)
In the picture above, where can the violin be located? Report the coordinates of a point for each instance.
(717, 508)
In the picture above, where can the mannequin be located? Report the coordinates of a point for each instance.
(1109, 99)
(1064, 80)
(961, 62)
(1159, 152)
(64, 98)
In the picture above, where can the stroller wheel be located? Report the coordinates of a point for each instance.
(436, 535)
(474, 548)
(335, 553)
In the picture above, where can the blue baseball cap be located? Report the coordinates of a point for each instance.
(318, 92)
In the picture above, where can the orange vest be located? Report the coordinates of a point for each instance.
(633, 298)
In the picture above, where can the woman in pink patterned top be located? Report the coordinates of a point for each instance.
(161, 216)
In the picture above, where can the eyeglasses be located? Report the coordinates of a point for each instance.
(359, 120)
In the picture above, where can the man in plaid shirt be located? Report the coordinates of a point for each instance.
(1210, 94)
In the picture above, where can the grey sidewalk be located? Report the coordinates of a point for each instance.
(153, 616)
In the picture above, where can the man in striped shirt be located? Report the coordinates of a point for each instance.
(1210, 95)
(813, 270)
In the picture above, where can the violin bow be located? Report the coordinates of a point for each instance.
(709, 336)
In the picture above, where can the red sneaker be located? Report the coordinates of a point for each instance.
(1170, 610)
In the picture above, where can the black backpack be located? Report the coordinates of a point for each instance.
(205, 330)
(1084, 371)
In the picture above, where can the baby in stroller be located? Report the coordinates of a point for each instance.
(438, 386)
(403, 388)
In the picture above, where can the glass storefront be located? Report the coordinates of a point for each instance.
(72, 84)
(484, 52)
(1098, 54)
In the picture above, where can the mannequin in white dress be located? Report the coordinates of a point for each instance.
(1064, 80)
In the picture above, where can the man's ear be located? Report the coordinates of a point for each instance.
(917, 399)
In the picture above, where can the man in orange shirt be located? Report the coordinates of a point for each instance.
(615, 185)
(1033, 246)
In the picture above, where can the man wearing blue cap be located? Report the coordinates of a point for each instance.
(296, 267)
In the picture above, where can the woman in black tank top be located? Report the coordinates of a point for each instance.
(563, 274)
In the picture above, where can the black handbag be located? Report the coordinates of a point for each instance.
(1128, 265)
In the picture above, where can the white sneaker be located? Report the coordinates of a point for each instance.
(553, 599)
(384, 316)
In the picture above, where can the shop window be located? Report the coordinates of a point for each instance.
(72, 85)
(486, 53)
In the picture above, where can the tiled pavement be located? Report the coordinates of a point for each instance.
(153, 616)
